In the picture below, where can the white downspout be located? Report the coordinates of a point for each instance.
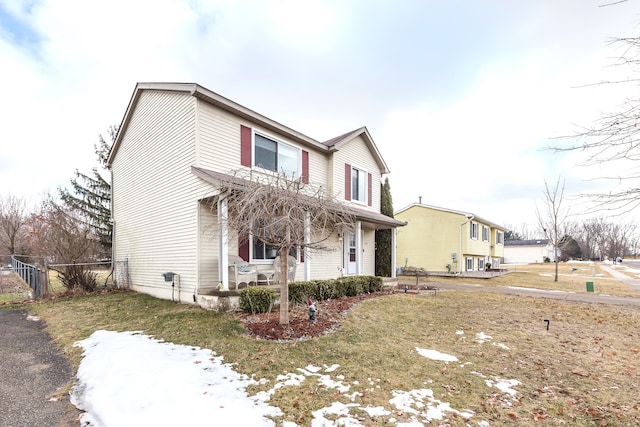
(359, 252)
(305, 251)
(223, 257)
(393, 252)
(469, 219)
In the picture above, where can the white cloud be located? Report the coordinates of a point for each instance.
(459, 99)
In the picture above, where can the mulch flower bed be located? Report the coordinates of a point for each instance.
(330, 314)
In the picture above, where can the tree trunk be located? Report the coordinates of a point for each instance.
(284, 286)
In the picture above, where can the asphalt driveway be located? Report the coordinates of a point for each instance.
(31, 370)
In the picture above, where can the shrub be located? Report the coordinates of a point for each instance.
(78, 277)
(318, 290)
(257, 300)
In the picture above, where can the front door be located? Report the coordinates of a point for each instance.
(351, 255)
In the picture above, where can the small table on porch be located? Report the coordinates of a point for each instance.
(266, 274)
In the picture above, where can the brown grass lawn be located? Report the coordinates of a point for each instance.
(582, 371)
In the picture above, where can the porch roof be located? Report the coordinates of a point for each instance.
(370, 219)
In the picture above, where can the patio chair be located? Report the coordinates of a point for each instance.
(240, 271)
(291, 268)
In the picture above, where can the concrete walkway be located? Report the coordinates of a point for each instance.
(634, 283)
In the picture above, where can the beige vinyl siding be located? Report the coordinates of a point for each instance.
(153, 205)
(356, 153)
(369, 245)
(219, 143)
(218, 139)
(208, 248)
(326, 264)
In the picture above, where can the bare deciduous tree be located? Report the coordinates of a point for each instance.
(70, 243)
(615, 137)
(12, 220)
(552, 218)
(284, 213)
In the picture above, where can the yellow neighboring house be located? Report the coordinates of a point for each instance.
(446, 240)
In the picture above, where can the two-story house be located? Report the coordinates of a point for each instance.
(446, 240)
(175, 142)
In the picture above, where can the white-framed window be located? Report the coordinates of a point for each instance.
(480, 264)
(468, 264)
(485, 233)
(264, 253)
(473, 227)
(276, 156)
(500, 237)
(359, 184)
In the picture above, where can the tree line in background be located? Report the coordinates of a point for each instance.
(597, 238)
(66, 231)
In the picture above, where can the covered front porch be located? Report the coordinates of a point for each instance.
(227, 261)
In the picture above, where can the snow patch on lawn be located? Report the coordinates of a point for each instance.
(436, 355)
(131, 379)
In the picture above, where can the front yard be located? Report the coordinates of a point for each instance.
(397, 358)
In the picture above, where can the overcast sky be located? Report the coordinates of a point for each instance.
(459, 96)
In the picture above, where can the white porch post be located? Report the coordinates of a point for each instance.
(223, 252)
(393, 252)
(307, 240)
(359, 253)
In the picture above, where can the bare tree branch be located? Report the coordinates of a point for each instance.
(284, 213)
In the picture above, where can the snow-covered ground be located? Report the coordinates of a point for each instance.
(132, 379)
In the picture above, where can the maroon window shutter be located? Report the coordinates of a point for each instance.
(301, 249)
(305, 166)
(245, 146)
(347, 181)
(369, 189)
(243, 247)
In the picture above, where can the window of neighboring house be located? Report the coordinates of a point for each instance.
(474, 230)
(480, 263)
(276, 156)
(358, 185)
(500, 237)
(485, 233)
(469, 264)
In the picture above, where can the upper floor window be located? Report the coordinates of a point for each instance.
(358, 185)
(276, 156)
(485, 233)
(473, 230)
(500, 237)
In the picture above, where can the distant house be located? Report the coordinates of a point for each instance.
(175, 143)
(440, 239)
(527, 251)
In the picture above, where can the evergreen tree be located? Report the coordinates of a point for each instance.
(90, 195)
(383, 237)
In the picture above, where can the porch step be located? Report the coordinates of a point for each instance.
(227, 300)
